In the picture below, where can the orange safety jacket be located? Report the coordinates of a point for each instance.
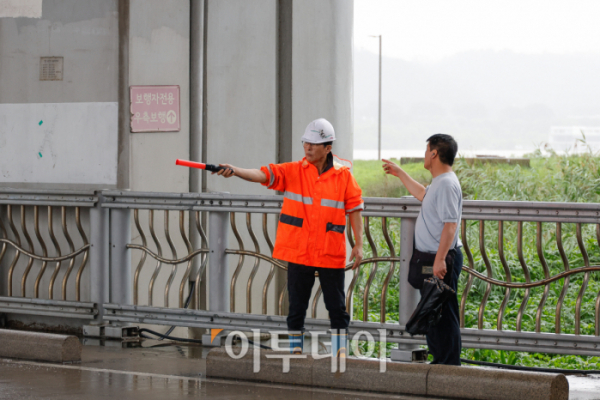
(313, 217)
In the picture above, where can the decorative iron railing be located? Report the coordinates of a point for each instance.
(527, 264)
(25, 207)
(55, 258)
(174, 261)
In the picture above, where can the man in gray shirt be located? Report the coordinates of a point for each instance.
(436, 232)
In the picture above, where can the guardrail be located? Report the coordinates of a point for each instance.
(26, 262)
(534, 264)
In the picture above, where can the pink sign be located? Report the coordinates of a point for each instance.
(154, 108)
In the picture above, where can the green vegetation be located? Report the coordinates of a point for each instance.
(569, 178)
(375, 183)
(554, 178)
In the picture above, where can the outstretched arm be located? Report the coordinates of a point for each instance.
(250, 175)
(413, 187)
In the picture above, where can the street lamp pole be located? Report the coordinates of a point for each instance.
(379, 123)
(379, 118)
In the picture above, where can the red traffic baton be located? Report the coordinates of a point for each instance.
(192, 164)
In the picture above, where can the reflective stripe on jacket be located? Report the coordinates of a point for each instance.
(312, 222)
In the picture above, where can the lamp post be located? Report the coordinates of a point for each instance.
(379, 120)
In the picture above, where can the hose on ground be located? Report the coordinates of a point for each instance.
(163, 336)
(178, 339)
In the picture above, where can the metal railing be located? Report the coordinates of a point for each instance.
(44, 259)
(534, 230)
(174, 261)
(258, 256)
(190, 208)
(528, 284)
(510, 288)
(30, 259)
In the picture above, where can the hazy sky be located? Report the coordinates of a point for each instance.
(433, 29)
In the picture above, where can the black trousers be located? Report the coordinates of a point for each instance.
(444, 339)
(301, 280)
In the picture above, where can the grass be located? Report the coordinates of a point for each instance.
(551, 177)
(555, 178)
(375, 183)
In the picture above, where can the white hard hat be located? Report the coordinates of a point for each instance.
(319, 131)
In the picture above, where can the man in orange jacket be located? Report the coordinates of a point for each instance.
(318, 194)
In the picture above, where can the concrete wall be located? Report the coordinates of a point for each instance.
(246, 60)
(322, 78)
(241, 81)
(159, 48)
(322, 70)
(241, 85)
(241, 88)
(85, 33)
(57, 134)
(21, 8)
(69, 144)
(159, 55)
(243, 103)
(241, 112)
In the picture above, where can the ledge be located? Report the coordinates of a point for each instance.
(399, 378)
(39, 346)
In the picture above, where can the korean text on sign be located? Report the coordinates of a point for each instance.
(155, 108)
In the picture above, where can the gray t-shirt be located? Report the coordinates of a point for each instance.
(442, 203)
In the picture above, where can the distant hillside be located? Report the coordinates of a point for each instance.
(486, 99)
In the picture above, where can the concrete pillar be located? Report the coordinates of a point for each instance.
(159, 38)
(322, 70)
(241, 83)
(124, 111)
(271, 67)
(409, 296)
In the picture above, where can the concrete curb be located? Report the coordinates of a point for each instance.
(361, 374)
(220, 364)
(400, 378)
(39, 346)
(495, 384)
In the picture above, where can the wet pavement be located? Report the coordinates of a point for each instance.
(584, 387)
(160, 370)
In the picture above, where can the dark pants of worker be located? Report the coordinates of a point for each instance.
(301, 280)
(443, 339)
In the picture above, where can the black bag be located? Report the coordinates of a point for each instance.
(421, 267)
(429, 310)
